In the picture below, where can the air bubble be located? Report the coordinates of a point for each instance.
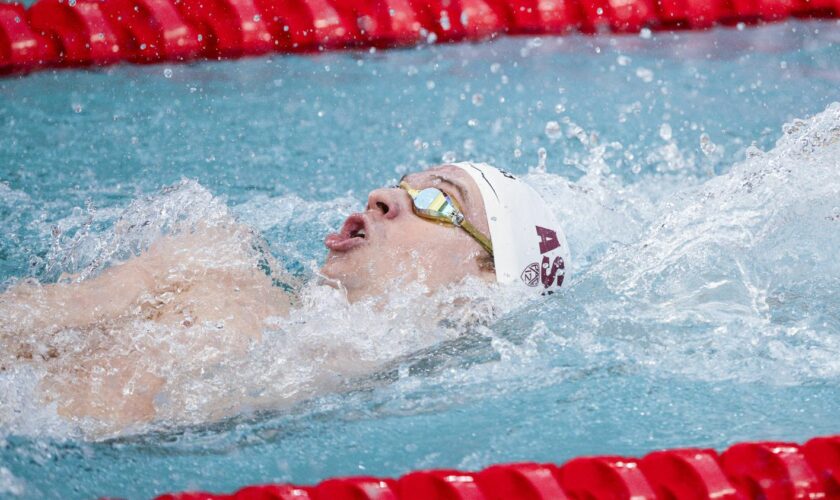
(477, 99)
(167, 73)
(449, 157)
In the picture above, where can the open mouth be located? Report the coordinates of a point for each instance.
(353, 233)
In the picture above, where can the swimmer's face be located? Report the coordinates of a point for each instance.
(388, 244)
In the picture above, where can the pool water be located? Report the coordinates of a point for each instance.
(695, 174)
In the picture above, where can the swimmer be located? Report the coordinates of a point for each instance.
(436, 228)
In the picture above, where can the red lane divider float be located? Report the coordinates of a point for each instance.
(151, 30)
(304, 25)
(81, 32)
(20, 45)
(97, 32)
(767, 471)
(227, 28)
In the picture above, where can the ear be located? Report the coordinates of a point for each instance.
(486, 266)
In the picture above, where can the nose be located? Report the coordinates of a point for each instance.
(388, 202)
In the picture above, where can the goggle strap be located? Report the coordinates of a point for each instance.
(477, 236)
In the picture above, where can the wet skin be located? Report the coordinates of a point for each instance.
(400, 247)
(209, 279)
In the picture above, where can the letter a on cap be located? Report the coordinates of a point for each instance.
(548, 239)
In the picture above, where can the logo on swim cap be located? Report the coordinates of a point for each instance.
(531, 274)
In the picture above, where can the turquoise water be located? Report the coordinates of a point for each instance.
(696, 175)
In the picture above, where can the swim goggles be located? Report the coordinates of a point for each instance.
(433, 204)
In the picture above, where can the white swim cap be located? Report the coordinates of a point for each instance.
(529, 246)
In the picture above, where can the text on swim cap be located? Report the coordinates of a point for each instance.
(547, 272)
(548, 239)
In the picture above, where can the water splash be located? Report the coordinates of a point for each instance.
(722, 280)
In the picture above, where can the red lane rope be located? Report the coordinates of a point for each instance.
(766, 470)
(54, 33)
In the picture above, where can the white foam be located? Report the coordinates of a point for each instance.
(708, 281)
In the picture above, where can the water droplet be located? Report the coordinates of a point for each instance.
(495, 67)
(553, 130)
(644, 74)
(706, 144)
(665, 132)
(559, 108)
(167, 73)
(578, 133)
(472, 122)
(477, 99)
(542, 155)
(77, 107)
(623, 60)
(535, 42)
(430, 85)
(444, 21)
(646, 33)
(71, 3)
(754, 151)
(449, 157)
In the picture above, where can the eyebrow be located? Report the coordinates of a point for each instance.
(462, 191)
(459, 188)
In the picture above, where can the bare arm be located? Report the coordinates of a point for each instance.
(205, 277)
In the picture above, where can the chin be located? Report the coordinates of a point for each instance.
(340, 268)
(331, 269)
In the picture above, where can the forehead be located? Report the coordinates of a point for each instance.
(449, 173)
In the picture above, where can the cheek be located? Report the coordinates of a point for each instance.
(438, 249)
